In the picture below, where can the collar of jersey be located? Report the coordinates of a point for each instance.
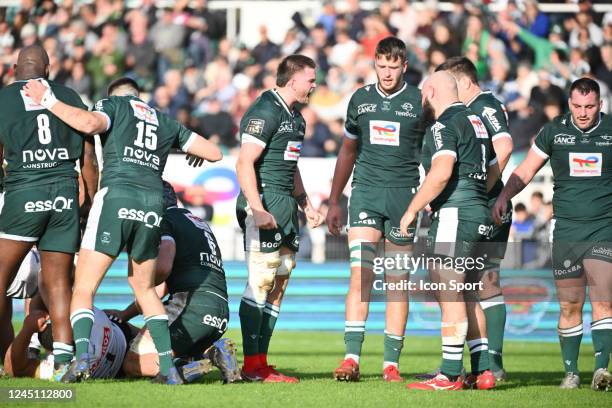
(393, 95)
(452, 105)
(281, 100)
(591, 129)
(476, 97)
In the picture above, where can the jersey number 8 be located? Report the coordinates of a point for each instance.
(44, 132)
(146, 136)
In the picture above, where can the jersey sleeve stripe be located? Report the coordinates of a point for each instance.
(539, 152)
(246, 138)
(350, 135)
(501, 135)
(444, 153)
(492, 162)
(108, 119)
(189, 142)
(167, 238)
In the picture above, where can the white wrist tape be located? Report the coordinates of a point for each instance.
(48, 100)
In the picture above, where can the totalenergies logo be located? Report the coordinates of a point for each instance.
(590, 161)
(387, 130)
(220, 184)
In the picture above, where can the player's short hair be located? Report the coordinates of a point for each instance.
(460, 66)
(584, 86)
(121, 83)
(290, 65)
(170, 199)
(392, 48)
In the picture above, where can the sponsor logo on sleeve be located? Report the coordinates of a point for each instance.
(585, 164)
(255, 127)
(489, 114)
(437, 136)
(385, 133)
(142, 111)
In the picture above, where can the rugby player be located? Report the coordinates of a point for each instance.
(107, 347)
(456, 156)
(41, 191)
(579, 147)
(190, 269)
(493, 114)
(128, 209)
(271, 133)
(382, 141)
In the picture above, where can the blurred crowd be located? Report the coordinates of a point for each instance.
(187, 67)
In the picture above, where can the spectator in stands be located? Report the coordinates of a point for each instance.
(522, 224)
(140, 56)
(545, 91)
(167, 36)
(218, 125)
(266, 49)
(79, 80)
(536, 21)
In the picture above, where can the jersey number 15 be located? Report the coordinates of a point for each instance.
(146, 136)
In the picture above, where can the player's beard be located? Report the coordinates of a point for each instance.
(428, 117)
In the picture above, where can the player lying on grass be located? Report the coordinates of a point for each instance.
(190, 269)
(107, 346)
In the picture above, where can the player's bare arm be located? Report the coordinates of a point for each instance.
(245, 170)
(16, 361)
(503, 149)
(204, 150)
(314, 217)
(521, 176)
(90, 123)
(342, 173)
(437, 178)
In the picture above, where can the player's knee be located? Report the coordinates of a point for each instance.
(287, 265)
(262, 268)
(358, 250)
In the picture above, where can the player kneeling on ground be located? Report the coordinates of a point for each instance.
(191, 271)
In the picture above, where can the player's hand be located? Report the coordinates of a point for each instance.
(499, 210)
(40, 92)
(334, 224)
(36, 321)
(313, 217)
(407, 220)
(194, 161)
(264, 219)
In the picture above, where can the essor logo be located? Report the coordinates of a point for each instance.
(141, 157)
(39, 155)
(58, 204)
(150, 219)
(270, 244)
(485, 230)
(215, 321)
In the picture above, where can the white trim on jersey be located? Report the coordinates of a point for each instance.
(246, 138)
(349, 135)
(17, 237)
(109, 122)
(501, 135)
(91, 230)
(539, 152)
(444, 153)
(189, 142)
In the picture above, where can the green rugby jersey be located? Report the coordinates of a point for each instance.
(459, 132)
(38, 147)
(137, 143)
(270, 124)
(495, 118)
(582, 167)
(197, 263)
(389, 134)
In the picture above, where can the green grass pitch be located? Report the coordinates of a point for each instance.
(535, 371)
